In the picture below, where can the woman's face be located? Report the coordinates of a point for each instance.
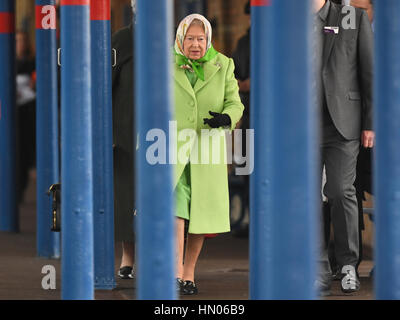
(195, 43)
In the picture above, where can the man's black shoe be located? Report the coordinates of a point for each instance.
(350, 282)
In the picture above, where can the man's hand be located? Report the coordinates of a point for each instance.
(367, 138)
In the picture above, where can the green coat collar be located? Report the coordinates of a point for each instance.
(210, 69)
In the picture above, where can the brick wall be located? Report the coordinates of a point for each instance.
(232, 23)
(229, 15)
(118, 8)
(25, 18)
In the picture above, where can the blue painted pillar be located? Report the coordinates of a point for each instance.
(283, 185)
(260, 254)
(103, 194)
(387, 152)
(47, 242)
(76, 154)
(8, 199)
(155, 221)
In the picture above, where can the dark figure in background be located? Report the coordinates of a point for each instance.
(26, 111)
(344, 76)
(241, 57)
(124, 147)
(363, 184)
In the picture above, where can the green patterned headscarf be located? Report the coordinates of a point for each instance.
(184, 62)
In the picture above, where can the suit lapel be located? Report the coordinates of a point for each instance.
(210, 69)
(333, 21)
(182, 79)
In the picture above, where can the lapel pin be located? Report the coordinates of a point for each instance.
(334, 30)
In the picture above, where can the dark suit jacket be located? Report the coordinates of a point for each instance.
(347, 73)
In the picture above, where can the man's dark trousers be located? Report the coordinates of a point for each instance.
(339, 156)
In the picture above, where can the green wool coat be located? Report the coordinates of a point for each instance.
(219, 92)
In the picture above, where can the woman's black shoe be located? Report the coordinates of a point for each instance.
(126, 273)
(179, 285)
(189, 288)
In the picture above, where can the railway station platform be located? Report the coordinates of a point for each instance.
(222, 271)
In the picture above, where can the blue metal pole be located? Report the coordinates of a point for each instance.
(387, 152)
(76, 153)
(260, 186)
(155, 223)
(283, 186)
(103, 196)
(8, 200)
(47, 242)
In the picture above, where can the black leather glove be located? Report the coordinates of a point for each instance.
(219, 120)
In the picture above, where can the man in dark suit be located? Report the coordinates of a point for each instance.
(343, 86)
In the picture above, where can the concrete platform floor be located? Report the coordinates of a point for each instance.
(222, 271)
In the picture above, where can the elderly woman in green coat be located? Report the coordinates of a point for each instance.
(206, 102)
